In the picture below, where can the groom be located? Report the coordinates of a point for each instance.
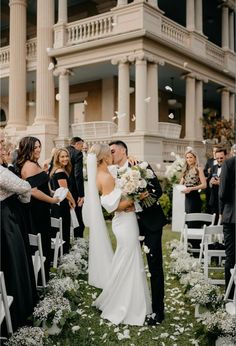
(150, 220)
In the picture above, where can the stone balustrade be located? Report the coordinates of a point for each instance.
(111, 25)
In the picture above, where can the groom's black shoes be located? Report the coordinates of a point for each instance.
(157, 319)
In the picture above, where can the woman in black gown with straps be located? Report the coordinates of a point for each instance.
(15, 263)
(59, 177)
(30, 170)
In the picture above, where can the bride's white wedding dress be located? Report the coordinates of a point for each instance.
(125, 297)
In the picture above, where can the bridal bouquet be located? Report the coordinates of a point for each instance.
(133, 181)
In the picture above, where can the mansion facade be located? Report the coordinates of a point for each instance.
(142, 71)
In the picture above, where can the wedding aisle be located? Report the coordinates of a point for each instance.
(80, 324)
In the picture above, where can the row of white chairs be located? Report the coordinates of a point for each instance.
(56, 244)
(206, 235)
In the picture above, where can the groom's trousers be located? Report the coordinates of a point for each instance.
(154, 258)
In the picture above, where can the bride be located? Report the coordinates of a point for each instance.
(125, 297)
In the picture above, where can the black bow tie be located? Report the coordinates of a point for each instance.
(219, 166)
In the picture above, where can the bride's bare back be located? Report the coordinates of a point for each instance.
(105, 182)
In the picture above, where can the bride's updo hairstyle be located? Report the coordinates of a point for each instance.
(101, 150)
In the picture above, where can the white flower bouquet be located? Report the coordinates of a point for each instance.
(134, 180)
(27, 336)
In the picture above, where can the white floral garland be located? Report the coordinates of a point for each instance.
(184, 266)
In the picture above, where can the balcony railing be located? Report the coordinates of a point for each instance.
(4, 55)
(94, 129)
(89, 29)
(114, 23)
(174, 32)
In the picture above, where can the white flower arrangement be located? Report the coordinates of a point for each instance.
(58, 286)
(219, 322)
(184, 264)
(75, 263)
(225, 341)
(134, 180)
(174, 171)
(206, 295)
(191, 279)
(27, 336)
(52, 309)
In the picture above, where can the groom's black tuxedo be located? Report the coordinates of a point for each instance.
(151, 220)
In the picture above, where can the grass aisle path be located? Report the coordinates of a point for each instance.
(176, 330)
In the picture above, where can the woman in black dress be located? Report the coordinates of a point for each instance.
(59, 177)
(194, 180)
(15, 263)
(30, 170)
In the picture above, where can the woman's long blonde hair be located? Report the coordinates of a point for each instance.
(56, 163)
(102, 150)
(186, 167)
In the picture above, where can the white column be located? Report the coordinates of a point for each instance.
(152, 105)
(225, 28)
(45, 94)
(17, 70)
(63, 119)
(198, 15)
(231, 31)
(62, 11)
(232, 107)
(141, 95)
(123, 97)
(232, 114)
(121, 2)
(199, 109)
(225, 104)
(190, 107)
(190, 15)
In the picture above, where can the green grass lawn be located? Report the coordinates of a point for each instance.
(176, 329)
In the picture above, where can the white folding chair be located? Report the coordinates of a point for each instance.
(230, 285)
(5, 303)
(206, 253)
(195, 233)
(38, 258)
(57, 242)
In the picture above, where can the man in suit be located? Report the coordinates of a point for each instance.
(151, 221)
(227, 194)
(215, 174)
(77, 181)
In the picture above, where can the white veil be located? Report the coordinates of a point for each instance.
(100, 249)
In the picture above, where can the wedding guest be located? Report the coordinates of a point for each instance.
(214, 182)
(207, 171)
(194, 181)
(59, 177)
(15, 263)
(30, 170)
(77, 181)
(227, 193)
